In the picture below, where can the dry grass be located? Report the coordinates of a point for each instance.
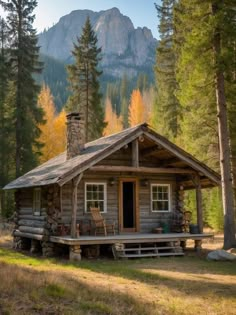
(168, 286)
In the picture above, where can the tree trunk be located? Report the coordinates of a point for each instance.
(224, 144)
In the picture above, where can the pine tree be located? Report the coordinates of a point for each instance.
(6, 127)
(24, 64)
(165, 118)
(204, 62)
(84, 83)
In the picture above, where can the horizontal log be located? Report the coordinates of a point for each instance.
(33, 230)
(32, 217)
(32, 223)
(29, 235)
(152, 170)
(26, 210)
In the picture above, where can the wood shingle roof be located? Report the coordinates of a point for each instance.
(59, 170)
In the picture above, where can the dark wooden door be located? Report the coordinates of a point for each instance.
(128, 209)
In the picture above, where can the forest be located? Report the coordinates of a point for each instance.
(192, 100)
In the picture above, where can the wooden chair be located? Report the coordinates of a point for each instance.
(187, 215)
(100, 225)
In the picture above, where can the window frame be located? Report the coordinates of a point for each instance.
(37, 192)
(169, 197)
(104, 184)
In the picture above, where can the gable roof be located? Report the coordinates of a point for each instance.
(59, 170)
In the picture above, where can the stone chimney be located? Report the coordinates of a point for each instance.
(75, 134)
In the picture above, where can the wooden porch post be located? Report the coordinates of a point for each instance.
(75, 183)
(135, 153)
(199, 203)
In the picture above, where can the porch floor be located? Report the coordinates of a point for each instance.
(128, 238)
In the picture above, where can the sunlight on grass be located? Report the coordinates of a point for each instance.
(134, 287)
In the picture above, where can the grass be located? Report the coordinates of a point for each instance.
(168, 286)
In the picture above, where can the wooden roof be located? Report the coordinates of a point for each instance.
(59, 170)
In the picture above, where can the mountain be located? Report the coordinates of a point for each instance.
(124, 48)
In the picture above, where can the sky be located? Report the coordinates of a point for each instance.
(141, 12)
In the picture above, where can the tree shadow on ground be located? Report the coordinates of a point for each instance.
(201, 285)
(49, 292)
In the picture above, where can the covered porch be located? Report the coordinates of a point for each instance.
(133, 245)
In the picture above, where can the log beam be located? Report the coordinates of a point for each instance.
(135, 153)
(197, 183)
(75, 183)
(156, 170)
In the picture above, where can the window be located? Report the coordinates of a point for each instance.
(160, 197)
(37, 201)
(95, 196)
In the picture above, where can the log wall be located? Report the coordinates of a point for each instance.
(148, 219)
(37, 226)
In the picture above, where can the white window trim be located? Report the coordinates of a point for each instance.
(105, 195)
(37, 212)
(169, 198)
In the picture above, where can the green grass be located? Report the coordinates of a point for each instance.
(170, 286)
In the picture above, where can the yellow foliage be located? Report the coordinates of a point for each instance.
(114, 123)
(136, 109)
(53, 132)
(60, 132)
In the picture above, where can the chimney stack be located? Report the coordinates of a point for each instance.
(75, 134)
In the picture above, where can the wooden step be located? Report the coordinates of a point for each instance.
(146, 248)
(150, 255)
(139, 250)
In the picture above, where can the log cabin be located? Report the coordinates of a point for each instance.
(136, 178)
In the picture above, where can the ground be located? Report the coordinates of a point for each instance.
(168, 286)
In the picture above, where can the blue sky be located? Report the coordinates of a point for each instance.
(141, 12)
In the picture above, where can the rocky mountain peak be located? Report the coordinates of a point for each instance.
(124, 48)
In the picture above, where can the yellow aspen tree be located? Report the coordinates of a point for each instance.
(45, 101)
(148, 100)
(53, 132)
(136, 109)
(60, 132)
(114, 123)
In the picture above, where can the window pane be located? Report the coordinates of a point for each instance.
(160, 198)
(166, 205)
(95, 195)
(89, 187)
(100, 206)
(165, 196)
(154, 196)
(89, 195)
(154, 205)
(101, 188)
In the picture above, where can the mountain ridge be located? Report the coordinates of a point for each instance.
(125, 49)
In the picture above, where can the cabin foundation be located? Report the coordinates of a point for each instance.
(75, 253)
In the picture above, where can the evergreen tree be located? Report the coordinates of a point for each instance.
(6, 127)
(84, 83)
(24, 64)
(204, 62)
(4, 112)
(165, 118)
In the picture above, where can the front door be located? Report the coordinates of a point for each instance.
(128, 208)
